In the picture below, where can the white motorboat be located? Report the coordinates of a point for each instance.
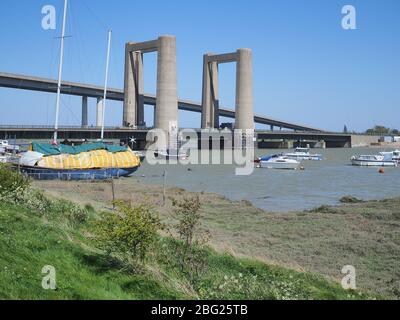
(303, 154)
(277, 161)
(374, 160)
(6, 147)
(170, 155)
(7, 152)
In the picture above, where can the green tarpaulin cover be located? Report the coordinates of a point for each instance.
(50, 149)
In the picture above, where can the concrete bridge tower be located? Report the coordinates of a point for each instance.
(244, 119)
(166, 110)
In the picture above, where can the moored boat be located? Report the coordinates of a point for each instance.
(38, 173)
(277, 161)
(171, 155)
(303, 154)
(91, 161)
(373, 161)
(5, 147)
(8, 153)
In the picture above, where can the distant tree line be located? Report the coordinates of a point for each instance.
(382, 130)
(376, 130)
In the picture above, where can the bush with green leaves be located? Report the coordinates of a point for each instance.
(11, 181)
(129, 233)
(190, 252)
(15, 189)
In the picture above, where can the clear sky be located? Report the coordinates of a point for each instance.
(307, 68)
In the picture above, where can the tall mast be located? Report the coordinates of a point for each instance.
(60, 70)
(105, 85)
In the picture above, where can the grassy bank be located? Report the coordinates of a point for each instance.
(28, 242)
(320, 241)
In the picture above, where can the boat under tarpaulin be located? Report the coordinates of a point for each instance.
(84, 162)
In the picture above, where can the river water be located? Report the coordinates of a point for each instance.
(322, 182)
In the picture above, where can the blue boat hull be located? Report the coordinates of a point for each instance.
(80, 174)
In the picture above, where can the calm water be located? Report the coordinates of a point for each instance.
(322, 182)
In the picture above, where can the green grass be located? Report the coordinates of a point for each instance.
(29, 241)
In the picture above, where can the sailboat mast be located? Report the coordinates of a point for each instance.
(105, 85)
(60, 70)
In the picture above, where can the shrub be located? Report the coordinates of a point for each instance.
(14, 189)
(11, 181)
(73, 212)
(191, 253)
(34, 200)
(188, 216)
(129, 233)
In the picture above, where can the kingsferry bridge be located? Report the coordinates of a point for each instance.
(280, 133)
(24, 82)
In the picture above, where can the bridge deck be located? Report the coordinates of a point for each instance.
(24, 82)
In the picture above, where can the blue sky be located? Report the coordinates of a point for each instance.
(307, 69)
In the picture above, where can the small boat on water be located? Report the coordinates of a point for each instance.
(8, 153)
(371, 160)
(89, 161)
(170, 155)
(277, 161)
(5, 147)
(303, 154)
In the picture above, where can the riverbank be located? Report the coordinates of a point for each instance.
(323, 240)
(53, 248)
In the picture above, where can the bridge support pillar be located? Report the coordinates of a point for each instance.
(166, 112)
(84, 111)
(244, 91)
(133, 114)
(320, 144)
(99, 112)
(210, 105)
(166, 109)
